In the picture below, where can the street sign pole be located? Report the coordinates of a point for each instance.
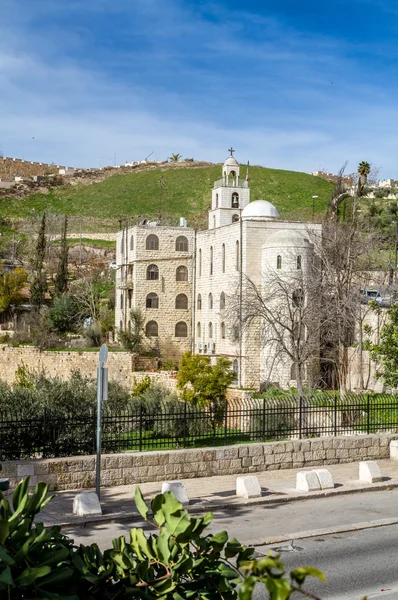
(102, 394)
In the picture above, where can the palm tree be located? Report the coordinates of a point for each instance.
(175, 157)
(363, 170)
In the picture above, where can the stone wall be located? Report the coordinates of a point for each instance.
(11, 167)
(130, 468)
(60, 364)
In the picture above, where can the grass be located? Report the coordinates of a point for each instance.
(187, 193)
(103, 244)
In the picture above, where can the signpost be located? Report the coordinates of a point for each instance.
(102, 394)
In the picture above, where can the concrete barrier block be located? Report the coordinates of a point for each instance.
(394, 449)
(369, 472)
(178, 489)
(325, 479)
(85, 504)
(307, 481)
(248, 487)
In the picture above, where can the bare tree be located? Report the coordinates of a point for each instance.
(285, 311)
(339, 192)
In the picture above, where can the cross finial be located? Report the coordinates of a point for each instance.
(231, 150)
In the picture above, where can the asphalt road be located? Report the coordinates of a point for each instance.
(355, 563)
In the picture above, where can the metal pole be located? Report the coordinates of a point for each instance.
(102, 394)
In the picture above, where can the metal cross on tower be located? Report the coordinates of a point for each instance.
(231, 150)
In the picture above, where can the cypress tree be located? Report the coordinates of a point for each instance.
(38, 286)
(61, 279)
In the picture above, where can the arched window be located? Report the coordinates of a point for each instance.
(152, 273)
(152, 242)
(121, 300)
(182, 302)
(181, 244)
(299, 262)
(237, 257)
(214, 222)
(122, 244)
(279, 262)
(210, 330)
(235, 333)
(130, 297)
(216, 200)
(235, 369)
(200, 262)
(223, 330)
(121, 325)
(211, 260)
(151, 329)
(223, 258)
(222, 300)
(182, 273)
(199, 331)
(132, 242)
(298, 297)
(181, 329)
(235, 218)
(293, 371)
(199, 302)
(152, 300)
(235, 200)
(210, 300)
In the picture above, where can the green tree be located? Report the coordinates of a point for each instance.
(385, 353)
(132, 339)
(205, 385)
(61, 278)
(11, 286)
(175, 157)
(63, 316)
(38, 286)
(363, 170)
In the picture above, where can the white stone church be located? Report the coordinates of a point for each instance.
(181, 279)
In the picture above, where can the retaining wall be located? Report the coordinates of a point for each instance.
(129, 468)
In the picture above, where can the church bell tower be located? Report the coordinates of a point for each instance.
(230, 194)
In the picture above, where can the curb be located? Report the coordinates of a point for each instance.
(201, 507)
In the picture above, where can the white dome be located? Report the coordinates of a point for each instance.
(261, 208)
(288, 237)
(231, 162)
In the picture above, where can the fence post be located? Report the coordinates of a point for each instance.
(335, 416)
(368, 415)
(141, 427)
(301, 418)
(263, 436)
(185, 424)
(44, 432)
(225, 421)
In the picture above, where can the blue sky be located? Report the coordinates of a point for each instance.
(292, 85)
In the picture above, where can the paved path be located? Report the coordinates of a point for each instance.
(218, 493)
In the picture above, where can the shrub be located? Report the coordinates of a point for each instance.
(178, 560)
(63, 316)
(177, 419)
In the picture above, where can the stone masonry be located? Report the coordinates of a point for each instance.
(12, 167)
(133, 467)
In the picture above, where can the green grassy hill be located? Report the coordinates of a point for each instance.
(187, 193)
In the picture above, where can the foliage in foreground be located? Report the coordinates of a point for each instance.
(386, 352)
(179, 561)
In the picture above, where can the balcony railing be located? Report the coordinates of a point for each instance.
(231, 182)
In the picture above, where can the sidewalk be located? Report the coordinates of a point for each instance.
(217, 493)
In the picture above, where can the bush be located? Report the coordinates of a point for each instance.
(179, 560)
(177, 419)
(63, 315)
(93, 335)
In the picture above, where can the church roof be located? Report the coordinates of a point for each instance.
(261, 208)
(231, 162)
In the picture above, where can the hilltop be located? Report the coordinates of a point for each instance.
(102, 200)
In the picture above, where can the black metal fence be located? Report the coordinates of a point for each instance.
(181, 425)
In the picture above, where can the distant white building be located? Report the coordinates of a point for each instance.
(181, 279)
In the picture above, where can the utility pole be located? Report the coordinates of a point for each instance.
(102, 394)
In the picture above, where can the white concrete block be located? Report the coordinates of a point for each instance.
(369, 472)
(86, 504)
(307, 481)
(178, 489)
(248, 487)
(394, 449)
(325, 479)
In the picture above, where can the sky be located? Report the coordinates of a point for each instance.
(292, 85)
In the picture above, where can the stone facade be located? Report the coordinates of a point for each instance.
(237, 244)
(130, 468)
